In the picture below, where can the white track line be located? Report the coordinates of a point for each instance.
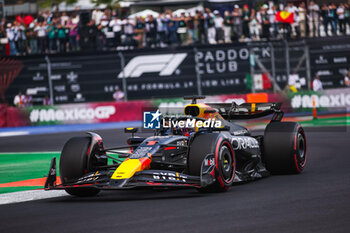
(31, 195)
(13, 133)
(33, 152)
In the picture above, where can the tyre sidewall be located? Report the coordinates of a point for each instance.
(74, 164)
(221, 145)
(74, 158)
(299, 167)
(281, 147)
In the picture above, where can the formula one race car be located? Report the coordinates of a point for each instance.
(209, 159)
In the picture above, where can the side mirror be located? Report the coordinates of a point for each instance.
(130, 130)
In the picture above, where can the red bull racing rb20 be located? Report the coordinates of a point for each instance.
(209, 159)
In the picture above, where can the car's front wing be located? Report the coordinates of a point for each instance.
(147, 178)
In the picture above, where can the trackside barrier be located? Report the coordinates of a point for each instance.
(110, 111)
(330, 100)
(170, 73)
(307, 102)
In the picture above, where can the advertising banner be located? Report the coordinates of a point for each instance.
(159, 74)
(167, 73)
(87, 113)
(330, 99)
(85, 78)
(330, 59)
(77, 78)
(223, 69)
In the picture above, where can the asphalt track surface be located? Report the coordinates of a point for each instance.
(316, 201)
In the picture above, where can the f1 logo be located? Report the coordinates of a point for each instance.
(151, 120)
(165, 64)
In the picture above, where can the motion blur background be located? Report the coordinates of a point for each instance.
(73, 62)
(71, 66)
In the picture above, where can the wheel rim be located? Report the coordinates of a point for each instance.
(301, 149)
(226, 164)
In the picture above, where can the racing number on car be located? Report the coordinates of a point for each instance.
(175, 176)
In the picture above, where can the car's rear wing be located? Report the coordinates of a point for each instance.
(232, 111)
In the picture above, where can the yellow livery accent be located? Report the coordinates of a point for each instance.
(203, 111)
(127, 169)
(253, 108)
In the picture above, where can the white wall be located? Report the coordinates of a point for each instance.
(26, 8)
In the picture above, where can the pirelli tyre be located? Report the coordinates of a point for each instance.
(225, 165)
(74, 164)
(285, 149)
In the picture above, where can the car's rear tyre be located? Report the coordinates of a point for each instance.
(74, 164)
(225, 164)
(285, 150)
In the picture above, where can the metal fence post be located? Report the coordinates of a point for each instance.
(198, 75)
(308, 67)
(49, 79)
(122, 63)
(287, 59)
(252, 70)
(273, 66)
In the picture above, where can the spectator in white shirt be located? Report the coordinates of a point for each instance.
(19, 100)
(317, 84)
(20, 38)
(295, 25)
(341, 17)
(129, 32)
(97, 16)
(116, 25)
(161, 29)
(254, 26)
(118, 95)
(219, 22)
(40, 30)
(210, 24)
(271, 13)
(64, 19)
(75, 18)
(302, 19)
(314, 17)
(10, 32)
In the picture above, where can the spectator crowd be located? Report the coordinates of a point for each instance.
(61, 32)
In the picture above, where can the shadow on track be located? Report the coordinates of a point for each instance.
(132, 195)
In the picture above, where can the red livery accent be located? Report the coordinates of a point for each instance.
(296, 163)
(88, 151)
(170, 148)
(151, 143)
(153, 183)
(146, 162)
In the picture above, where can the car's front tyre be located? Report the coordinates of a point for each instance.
(225, 164)
(74, 164)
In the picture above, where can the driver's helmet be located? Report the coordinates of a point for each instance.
(183, 131)
(186, 131)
